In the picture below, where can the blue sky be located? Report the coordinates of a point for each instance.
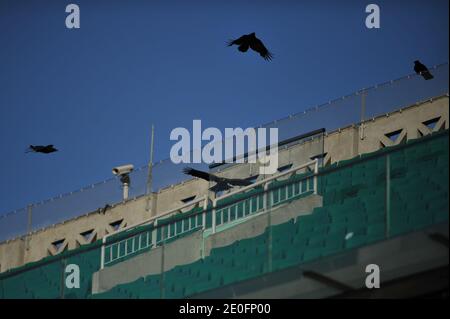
(94, 92)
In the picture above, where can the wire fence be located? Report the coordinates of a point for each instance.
(351, 109)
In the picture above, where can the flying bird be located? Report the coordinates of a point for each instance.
(222, 183)
(41, 149)
(252, 42)
(421, 69)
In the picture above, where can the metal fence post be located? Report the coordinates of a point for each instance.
(148, 189)
(363, 114)
(154, 233)
(316, 171)
(214, 216)
(205, 207)
(102, 253)
(265, 196)
(29, 226)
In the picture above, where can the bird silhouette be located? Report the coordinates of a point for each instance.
(41, 149)
(252, 42)
(222, 183)
(104, 209)
(421, 69)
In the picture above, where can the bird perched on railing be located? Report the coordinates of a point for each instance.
(421, 69)
(252, 42)
(41, 149)
(222, 183)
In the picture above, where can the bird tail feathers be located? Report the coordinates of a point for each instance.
(427, 75)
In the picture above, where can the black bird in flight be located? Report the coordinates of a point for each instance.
(252, 42)
(222, 183)
(421, 69)
(42, 149)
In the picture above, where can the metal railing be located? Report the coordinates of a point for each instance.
(114, 250)
(265, 183)
(160, 230)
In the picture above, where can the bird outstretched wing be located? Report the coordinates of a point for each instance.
(239, 41)
(222, 182)
(219, 187)
(41, 149)
(258, 46)
(203, 175)
(238, 182)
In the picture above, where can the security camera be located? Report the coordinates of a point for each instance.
(122, 170)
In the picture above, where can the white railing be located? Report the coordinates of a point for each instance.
(265, 183)
(153, 240)
(247, 206)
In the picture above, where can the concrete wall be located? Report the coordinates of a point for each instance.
(130, 212)
(12, 254)
(370, 136)
(409, 120)
(196, 245)
(170, 198)
(153, 262)
(339, 145)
